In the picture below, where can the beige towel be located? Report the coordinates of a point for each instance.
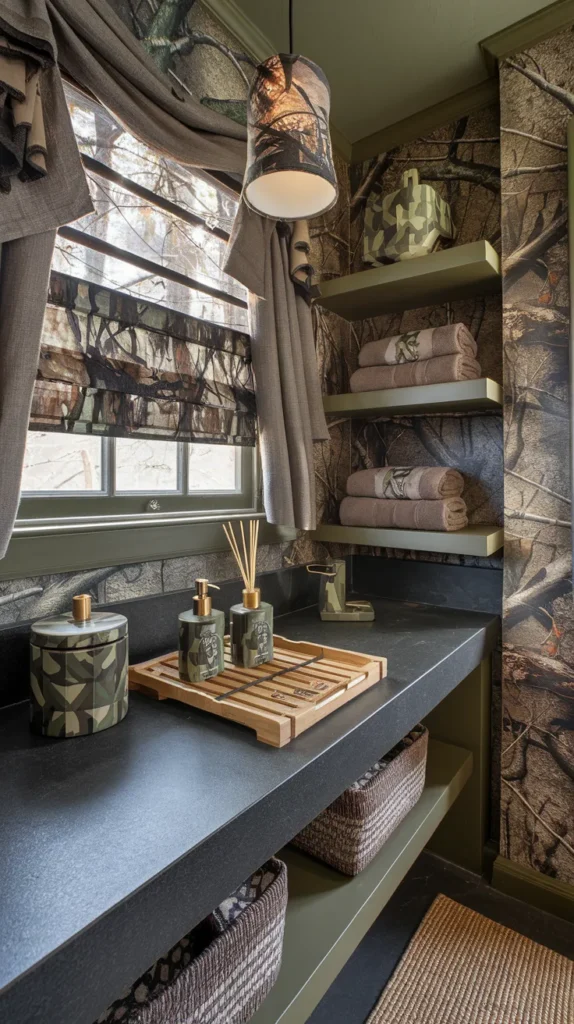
(449, 514)
(441, 370)
(414, 483)
(417, 345)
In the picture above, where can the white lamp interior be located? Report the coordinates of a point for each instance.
(290, 195)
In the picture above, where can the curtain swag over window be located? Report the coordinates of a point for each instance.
(90, 42)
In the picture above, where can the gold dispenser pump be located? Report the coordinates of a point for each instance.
(202, 599)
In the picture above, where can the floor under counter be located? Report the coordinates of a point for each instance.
(357, 988)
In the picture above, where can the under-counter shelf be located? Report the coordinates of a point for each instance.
(328, 914)
(481, 395)
(472, 540)
(464, 270)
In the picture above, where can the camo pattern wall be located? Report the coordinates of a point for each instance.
(537, 824)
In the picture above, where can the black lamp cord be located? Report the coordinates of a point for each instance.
(291, 26)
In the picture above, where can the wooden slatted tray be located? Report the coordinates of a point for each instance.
(303, 684)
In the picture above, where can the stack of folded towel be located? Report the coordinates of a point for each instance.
(437, 355)
(420, 498)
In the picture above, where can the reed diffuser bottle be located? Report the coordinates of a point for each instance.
(250, 623)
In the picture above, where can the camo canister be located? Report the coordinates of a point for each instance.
(78, 672)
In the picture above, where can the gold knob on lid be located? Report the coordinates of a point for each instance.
(82, 608)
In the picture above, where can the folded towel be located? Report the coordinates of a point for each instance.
(404, 482)
(440, 370)
(449, 514)
(417, 345)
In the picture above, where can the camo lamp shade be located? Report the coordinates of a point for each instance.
(290, 173)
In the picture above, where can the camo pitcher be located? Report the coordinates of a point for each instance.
(406, 223)
(78, 672)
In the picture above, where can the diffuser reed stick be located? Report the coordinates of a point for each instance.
(246, 562)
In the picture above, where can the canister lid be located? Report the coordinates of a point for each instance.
(64, 632)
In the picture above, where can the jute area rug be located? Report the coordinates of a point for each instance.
(462, 968)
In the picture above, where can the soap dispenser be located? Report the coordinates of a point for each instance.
(201, 633)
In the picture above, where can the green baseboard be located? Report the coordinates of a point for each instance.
(530, 886)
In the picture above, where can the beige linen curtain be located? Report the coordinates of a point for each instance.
(289, 401)
(94, 46)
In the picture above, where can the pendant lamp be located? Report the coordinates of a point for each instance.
(290, 173)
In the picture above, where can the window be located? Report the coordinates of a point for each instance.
(158, 233)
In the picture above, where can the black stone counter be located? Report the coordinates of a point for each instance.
(113, 846)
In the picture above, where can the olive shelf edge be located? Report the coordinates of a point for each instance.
(480, 541)
(455, 273)
(328, 914)
(481, 395)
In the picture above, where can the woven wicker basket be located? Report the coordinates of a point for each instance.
(226, 982)
(349, 833)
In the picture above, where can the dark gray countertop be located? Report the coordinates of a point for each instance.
(113, 846)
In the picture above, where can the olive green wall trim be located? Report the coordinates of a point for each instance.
(531, 887)
(254, 42)
(525, 33)
(64, 552)
(465, 715)
(466, 102)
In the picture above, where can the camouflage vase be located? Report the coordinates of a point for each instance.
(251, 634)
(78, 674)
(406, 223)
(201, 645)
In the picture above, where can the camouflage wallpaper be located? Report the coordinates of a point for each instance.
(537, 824)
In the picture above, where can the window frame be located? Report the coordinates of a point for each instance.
(109, 505)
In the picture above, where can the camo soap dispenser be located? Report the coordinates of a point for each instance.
(78, 671)
(201, 634)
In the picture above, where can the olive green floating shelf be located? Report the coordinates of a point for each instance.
(457, 273)
(328, 914)
(472, 540)
(481, 395)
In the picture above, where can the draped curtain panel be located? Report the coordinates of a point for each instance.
(91, 43)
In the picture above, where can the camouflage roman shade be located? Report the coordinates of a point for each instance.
(113, 363)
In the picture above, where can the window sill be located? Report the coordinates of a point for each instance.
(43, 547)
